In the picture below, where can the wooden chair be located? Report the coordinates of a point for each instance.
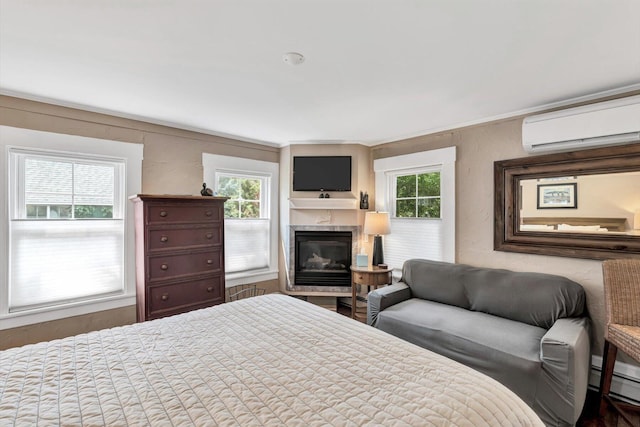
(622, 328)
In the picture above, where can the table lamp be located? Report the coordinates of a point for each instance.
(377, 223)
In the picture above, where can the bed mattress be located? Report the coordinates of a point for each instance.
(269, 360)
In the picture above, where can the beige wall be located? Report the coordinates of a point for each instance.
(477, 149)
(362, 180)
(172, 165)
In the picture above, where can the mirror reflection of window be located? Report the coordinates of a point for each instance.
(604, 203)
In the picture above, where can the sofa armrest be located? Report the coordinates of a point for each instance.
(565, 351)
(383, 298)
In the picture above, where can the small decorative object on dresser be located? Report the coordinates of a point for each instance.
(206, 191)
(179, 253)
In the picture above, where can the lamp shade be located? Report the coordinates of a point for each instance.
(377, 223)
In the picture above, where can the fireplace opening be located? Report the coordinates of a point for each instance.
(323, 258)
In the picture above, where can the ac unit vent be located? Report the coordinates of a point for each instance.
(605, 123)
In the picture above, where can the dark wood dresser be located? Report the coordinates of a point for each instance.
(179, 253)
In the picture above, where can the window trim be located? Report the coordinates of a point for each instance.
(213, 163)
(445, 157)
(41, 141)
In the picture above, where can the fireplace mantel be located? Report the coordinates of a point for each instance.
(319, 203)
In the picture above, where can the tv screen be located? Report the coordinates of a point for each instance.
(322, 173)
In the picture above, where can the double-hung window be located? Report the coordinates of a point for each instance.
(67, 232)
(251, 215)
(247, 222)
(66, 228)
(418, 190)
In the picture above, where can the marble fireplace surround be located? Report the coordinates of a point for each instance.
(355, 238)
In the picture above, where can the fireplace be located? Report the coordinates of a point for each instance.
(323, 258)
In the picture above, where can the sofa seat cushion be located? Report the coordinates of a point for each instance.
(506, 350)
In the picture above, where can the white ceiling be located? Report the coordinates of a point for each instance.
(374, 71)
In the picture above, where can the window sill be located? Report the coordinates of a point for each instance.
(45, 314)
(245, 278)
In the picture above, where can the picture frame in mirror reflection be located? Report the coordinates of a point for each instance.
(557, 196)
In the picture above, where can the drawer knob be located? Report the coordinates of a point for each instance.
(209, 261)
(164, 297)
(360, 277)
(209, 236)
(208, 213)
(164, 239)
(210, 289)
(163, 213)
(164, 267)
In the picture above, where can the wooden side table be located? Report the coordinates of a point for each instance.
(369, 277)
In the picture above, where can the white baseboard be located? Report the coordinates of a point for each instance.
(625, 384)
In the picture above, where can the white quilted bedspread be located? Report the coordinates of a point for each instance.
(270, 360)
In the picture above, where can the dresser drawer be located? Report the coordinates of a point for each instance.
(172, 238)
(166, 266)
(174, 213)
(180, 297)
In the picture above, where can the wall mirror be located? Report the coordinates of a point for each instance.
(583, 204)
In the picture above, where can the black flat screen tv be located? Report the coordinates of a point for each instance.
(322, 173)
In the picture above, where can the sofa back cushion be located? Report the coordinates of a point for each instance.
(435, 281)
(537, 299)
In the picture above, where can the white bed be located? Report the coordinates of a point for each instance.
(269, 360)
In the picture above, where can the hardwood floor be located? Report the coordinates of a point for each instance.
(590, 418)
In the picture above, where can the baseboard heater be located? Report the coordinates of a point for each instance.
(625, 384)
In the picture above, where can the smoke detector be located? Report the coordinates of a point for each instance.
(293, 58)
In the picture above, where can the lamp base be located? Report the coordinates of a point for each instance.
(377, 251)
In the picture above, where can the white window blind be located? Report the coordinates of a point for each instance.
(55, 261)
(412, 238)
(246, 244)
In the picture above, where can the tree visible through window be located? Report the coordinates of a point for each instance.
(418, 195)
(247, 224)
(244, 196)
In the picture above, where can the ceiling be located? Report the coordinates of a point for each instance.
(375, 70)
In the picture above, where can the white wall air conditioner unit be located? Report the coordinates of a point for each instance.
(595, 125)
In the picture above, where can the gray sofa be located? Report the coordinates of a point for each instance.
(530, 331)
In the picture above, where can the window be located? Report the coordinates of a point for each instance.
(247, 222)
(251, 215)
(419, 191)
(417, 195)
(244, 193)
(67, 236)
(66, 229)
(58, 188)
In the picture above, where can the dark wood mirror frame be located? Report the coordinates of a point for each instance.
(507, 176)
